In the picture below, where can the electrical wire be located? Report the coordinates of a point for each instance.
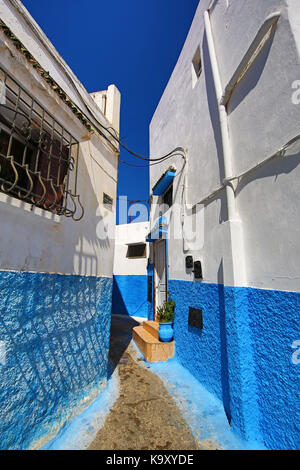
(151, 164)
(41, 36)
(159, 159)
(115, 137)
(114, 133)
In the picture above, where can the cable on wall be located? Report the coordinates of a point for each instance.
(83, 117)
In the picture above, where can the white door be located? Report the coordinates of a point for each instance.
(160, 274)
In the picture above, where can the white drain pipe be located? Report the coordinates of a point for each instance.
(223, 118)
(235, 226)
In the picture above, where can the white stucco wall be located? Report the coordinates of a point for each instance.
(129, 234)
(33, 239)
(261, 119)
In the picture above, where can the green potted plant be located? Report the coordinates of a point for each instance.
(165, 316)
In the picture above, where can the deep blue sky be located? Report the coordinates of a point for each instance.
(132, 43)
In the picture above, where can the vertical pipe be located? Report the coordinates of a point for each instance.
(223, 118)
(235, 225)
(240, 369)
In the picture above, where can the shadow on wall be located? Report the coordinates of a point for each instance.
(56, 332)
(213, 106)
(279, 166)
(224, 346)
(215, 122)
(87, 228)
(120, 337)
(253, 76)
(130, 296)
(118, 304)
(48, 245)
(55, 328)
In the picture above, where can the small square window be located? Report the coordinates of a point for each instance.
(137, 250)
(196, 66)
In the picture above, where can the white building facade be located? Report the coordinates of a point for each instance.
(130, 270)
(58, 183)
(228, 248)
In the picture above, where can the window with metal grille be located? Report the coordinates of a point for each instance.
(137, 250)
(38, 156)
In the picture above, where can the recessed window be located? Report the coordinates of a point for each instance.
(196, 66)
(107, 201)
(137, 250)
(167, 198)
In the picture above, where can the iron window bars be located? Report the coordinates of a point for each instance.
(38, 156)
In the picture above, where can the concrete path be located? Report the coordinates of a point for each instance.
(145, 415)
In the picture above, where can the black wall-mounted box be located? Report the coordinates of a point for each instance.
(189, 262)
(196, 318)
(198, 270)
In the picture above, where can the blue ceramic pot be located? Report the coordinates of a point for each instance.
(166, 332)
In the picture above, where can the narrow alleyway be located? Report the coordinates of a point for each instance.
(145, 416)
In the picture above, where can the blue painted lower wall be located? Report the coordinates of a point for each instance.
(275, 323)
(150, 306)
(130, 296)
(244, 356)
(56, 331)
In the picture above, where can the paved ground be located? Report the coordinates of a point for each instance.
(145, 416)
